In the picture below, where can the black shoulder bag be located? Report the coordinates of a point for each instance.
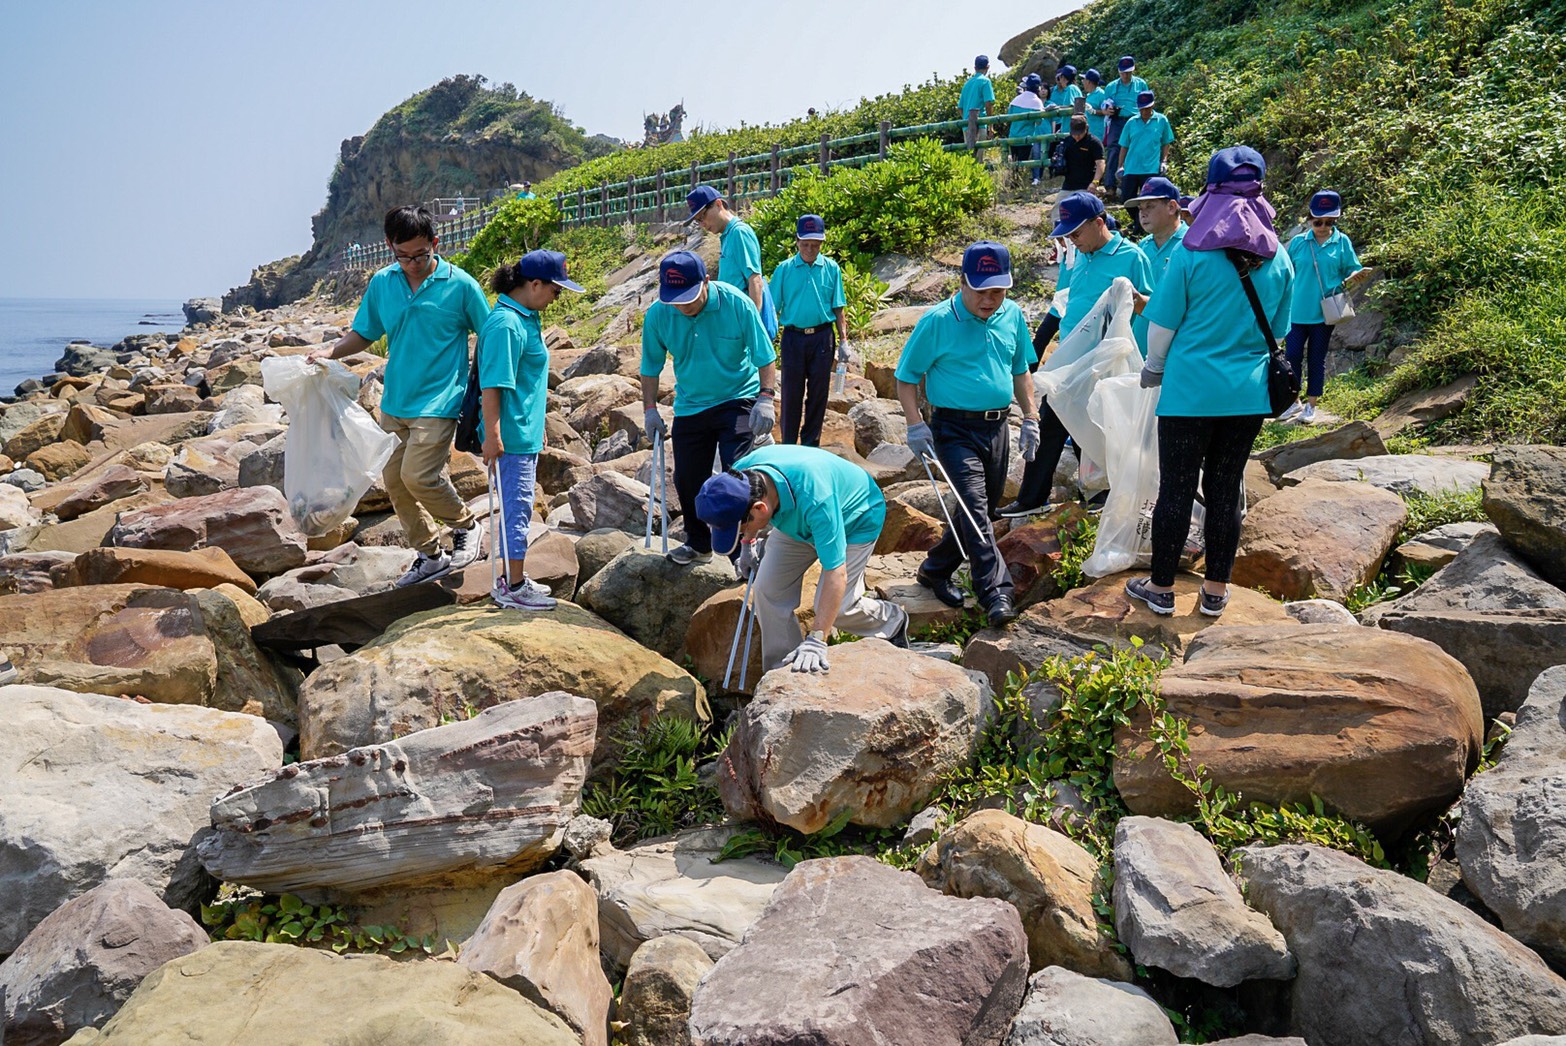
(466, 438)
(1283, 385)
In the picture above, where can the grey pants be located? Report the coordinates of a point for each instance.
(780, 584)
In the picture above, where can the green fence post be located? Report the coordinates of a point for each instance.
(662, 191)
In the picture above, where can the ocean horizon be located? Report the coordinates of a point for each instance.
(35, 331)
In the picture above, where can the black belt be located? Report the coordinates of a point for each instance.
(808, 330)
(972, 415)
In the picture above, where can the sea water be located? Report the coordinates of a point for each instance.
(35, 331)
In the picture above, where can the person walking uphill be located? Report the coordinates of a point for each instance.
(1210, 351)
(1324, 264)
(1144, 142)
(818, 507)
(725, 381)
(514, 376)
(812, 310)
(1120, 96)
(978, 93)
(739, 251)
(425, 308)
(972, 353)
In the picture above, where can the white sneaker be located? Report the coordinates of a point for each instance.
(521, 597)
(424, 568)
(1292, 412)
(467, 546)
(1308, 415)
(8, 672)
(534, 586)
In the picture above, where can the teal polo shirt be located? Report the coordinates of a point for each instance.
(1091, 276)
(426, 335)
(1158, 257)
(823, 500)
(976, 92)
(808, 295)
(512, 357)
(1026, 121)
(1336, 259)
(1124, 95)
(1067, 95)
(717, 353)
(1142, 142)
(1095, 123)
(739, 258)
(1217, 365)
(966, 364)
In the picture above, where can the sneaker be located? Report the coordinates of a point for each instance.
(1308, 415)
(1035, 183)
(424, 568)
(9, 674)
(520, 597)
(684, 556)
(900, 637)
(1096, 503)
(1212, 605)
(534, 587)
(943, 588)
(1017, 509)
(467, 545)
(1001, 612)
(1292, 412)
(1157, 602)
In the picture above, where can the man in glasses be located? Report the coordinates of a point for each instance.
(425, 308)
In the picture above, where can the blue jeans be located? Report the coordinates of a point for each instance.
(1318, 335)
(517, 472)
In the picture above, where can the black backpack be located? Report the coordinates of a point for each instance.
(467, 435)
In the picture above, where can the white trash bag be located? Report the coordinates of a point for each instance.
(1127, 415)
(334, 449)
(1101, 346)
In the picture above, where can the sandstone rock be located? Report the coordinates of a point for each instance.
(15, 511)
(82, 962)
(655, 1001)
(439, 662)
(1383, 958)
(1436, 548)
(594, 550)
(678, 886)
(106, 487)
(1353, 440)
(1399, 473)
(1525, 497)
(1032, 553)
(251, 524)
(243, 371)
(203, 568)
(587, 401)
(891, 321)
(86, 423)
(876, 422)
(1384, 732)
(171, 399)
(1511, 839)
(286, 594)
(59, 460)
(710, 637)
(622, 593)
(1176, 909)
(907, 530)
(26, 573)
(1063, 1008)
(202, 310)
(1318, 539)
(1026, 642)
(1047, 877)
(241, 993)
(555, 468)
(609, 499)
(99, 788)
(34, 436)
(552, 562)
(1422, 406)
(81, 359)
(540, 938)
(1320, 612)
(850, 950)
(251, 611)
(263, 465)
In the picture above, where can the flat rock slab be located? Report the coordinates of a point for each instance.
(1511, 840)
(468, 802)
(203, 568)
(100, 788)
(251, 524)
(1385, 732)
(1354, 440)
(1399, 473)
(1384, 959)
(1063, 1008)
(1318, 538)
(1525, 497)
(852, 951)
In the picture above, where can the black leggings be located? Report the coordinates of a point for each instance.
(1217, 449)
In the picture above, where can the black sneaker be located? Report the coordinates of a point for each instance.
(943, 588)
(1001, 612)
(1157, 602)
(1017, 509)
(1212, 605)
(1097, 502)
(900, 637)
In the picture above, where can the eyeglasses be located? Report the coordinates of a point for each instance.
(421, 257)
(1324, 223)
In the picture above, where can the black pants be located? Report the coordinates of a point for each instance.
(975, 455)
(1130, 188)
(1112, 128)
(724, 430)
(1038, 475)
(1217, 448)
(807, 378)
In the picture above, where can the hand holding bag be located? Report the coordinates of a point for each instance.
(1335, 308)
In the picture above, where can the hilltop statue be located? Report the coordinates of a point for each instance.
(663, 128)
(676, 119)
(650, 129)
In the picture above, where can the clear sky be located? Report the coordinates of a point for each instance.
(161, 149)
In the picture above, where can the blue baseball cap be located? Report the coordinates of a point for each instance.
(1326, 204)
(1237, 163)
(1032, 82)
(681, 276)
(546, 265)
(1111, 222)
(723, 503)
(810, 227)
(982, 62)
(1076, 208)
(1186, 201)
(1144, 100)
(1126, 64)
(1155, 188)
(1068, 71)
(1094, 75)
(986, 265)
(699, 198)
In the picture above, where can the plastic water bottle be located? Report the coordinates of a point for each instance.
(840, 378)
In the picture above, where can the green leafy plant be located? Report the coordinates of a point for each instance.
(862, 291)
(1428, 510)
(654, 789)
(1076, 545)
(519, 227)
(242, 914)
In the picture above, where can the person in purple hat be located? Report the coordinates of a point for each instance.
(972, 353)
(1324, 263)
(1063, 96)
(1144, 143)
(1227, 290)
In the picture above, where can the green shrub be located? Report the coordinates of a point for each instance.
(520, 226)
(1076, 545)
(239, 913)
(654, 788)
(1426, 511)
(862, 291)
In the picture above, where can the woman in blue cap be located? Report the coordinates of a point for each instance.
(1210, 349)
(1324, 264)
(1065, 94)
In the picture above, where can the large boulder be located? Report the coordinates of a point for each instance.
(876, 422)
(870, 739)
(852, 951)
(1032, 553)
(1525, 497)
(465, 803)
(208, 465)
(1318, 539)
(1399, 473)
(185, 648)
(906, 529)
(251, 524)
(651, 599)
(1511, 837)
(241, 993)
(1064, 1008)
(442, 662)
(1049, 879)
(1354, 440)
(83, 961)
(1383, 728)
(1383, 958)
(203, 568)
(540, 938)
(1177, 909)
(101, 788)
(609, 499)
(655, 1002)
(710, 638)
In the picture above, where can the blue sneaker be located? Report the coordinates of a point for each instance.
(1158, 602)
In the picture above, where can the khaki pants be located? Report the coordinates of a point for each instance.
(417, 481)
(779, 584)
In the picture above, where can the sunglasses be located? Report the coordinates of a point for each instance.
(1324, 223)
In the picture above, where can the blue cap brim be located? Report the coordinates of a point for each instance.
(1065, 227)
(684, 297)
(570, 285)
(697, 213)
(811, 236)
(1336, 212)
(989, 282)
(726, 540)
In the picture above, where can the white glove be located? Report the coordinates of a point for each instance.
(809, 656)
(920, 441)
(762, 415)
(1028, 438)
(750, 556)
(654, 426)
(846, 353)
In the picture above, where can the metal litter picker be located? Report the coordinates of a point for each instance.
(658, 495)
(925, 459)
(746, 624)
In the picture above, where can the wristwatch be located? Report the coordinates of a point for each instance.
(765, 391)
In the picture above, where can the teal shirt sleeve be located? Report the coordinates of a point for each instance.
(498, 349)
(918, 351)
(748, 255)
(1166, 136)
(986, 91)
(1352, 256)
(654, 351)
(367, 321)
(1283, 315)
(474, 305)
(778, 285)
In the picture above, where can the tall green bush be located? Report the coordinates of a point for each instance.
(519, 226)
